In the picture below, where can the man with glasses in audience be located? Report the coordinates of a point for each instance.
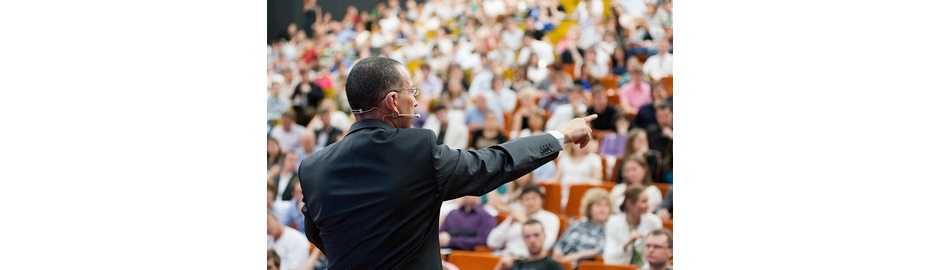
(658, 250)
(372, 199)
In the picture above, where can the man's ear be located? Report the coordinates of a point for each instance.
(390, 102)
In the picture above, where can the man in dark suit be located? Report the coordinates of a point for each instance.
(328, 134)
(373, 199)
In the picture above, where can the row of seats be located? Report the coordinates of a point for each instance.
(575, 193)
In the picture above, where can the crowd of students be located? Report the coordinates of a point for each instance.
(491, 71)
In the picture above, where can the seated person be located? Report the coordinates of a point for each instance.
(658, 250)
(624, 232)
(538, 258)
(507, 236)
(584, 239)
(467, 226)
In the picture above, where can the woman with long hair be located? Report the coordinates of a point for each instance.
(578, 165)
(624, 232)
(636, 172)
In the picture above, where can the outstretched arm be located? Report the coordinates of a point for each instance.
(461, 172)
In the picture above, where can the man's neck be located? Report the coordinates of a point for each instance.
(537, 256)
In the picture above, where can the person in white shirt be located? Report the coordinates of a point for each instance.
(530, 45)
(636, 172)
(287, 133)
(451, 133)
(565, 112)
(624, 232)
(502, 95)
(507, 236)
(659, 65)
(291, 245)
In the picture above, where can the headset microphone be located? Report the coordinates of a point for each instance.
(408, 114)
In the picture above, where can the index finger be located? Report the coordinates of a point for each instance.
(590, 118)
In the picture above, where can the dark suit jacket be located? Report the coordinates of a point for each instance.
(373, 199)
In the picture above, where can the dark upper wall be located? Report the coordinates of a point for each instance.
(282, 13)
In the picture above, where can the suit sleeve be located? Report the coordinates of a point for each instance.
(460, 172)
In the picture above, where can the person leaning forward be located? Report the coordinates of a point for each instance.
(373, 198)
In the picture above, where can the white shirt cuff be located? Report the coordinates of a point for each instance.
(560, 137)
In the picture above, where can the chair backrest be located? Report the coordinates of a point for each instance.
(613, 97)
(566, 264)
(667, 224)
(668, 82)
(473, 260)
(576, 193)
(552, 197)
(562, 225)
(569, 68)
(663, 187)
(507, 123)
(593, 265)
(500, 217)
(610, 82)
(482, 249)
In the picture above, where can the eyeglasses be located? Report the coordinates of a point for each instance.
(414, 91)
